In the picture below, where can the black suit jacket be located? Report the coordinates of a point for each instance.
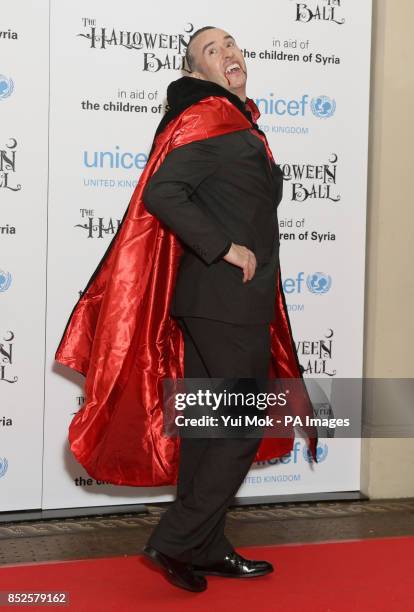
(211, 193)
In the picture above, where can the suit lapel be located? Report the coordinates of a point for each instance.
(255, 142)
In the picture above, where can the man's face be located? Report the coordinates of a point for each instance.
(217, 58)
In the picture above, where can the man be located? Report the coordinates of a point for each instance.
(189, 286)
(219, 196)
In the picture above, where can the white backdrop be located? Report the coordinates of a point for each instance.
(309, 70)
(23, 216)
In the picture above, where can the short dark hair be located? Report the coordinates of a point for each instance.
(189, 57)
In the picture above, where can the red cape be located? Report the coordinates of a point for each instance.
(122, 339)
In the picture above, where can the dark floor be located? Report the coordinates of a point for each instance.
(126, 534)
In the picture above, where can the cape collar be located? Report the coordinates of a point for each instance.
(252, 108)
(186, 91)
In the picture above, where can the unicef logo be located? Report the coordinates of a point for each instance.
(319, 282)
(6, 87)
(5, 280)
(323, 107)
(4, 464)
(321, 453)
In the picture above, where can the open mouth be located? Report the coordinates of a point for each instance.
(232, 69)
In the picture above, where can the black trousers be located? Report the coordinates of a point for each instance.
(211, 470)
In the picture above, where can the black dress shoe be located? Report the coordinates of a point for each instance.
(178, 573)
(234, 566)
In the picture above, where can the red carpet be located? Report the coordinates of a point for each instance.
(368, 575)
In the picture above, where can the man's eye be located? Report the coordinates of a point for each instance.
(230, 44)
(211, 51)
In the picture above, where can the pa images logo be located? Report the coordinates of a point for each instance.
(323, 107)
(6, 87)
(4, 464)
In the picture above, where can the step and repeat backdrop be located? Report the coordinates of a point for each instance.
(82, 89)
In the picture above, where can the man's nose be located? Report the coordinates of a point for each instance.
(228, 53)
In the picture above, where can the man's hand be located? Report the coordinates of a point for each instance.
(242, 257)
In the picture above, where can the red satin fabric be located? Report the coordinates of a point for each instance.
(122, 339)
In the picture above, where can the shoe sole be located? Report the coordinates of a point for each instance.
(222, 575)
(168, 575)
